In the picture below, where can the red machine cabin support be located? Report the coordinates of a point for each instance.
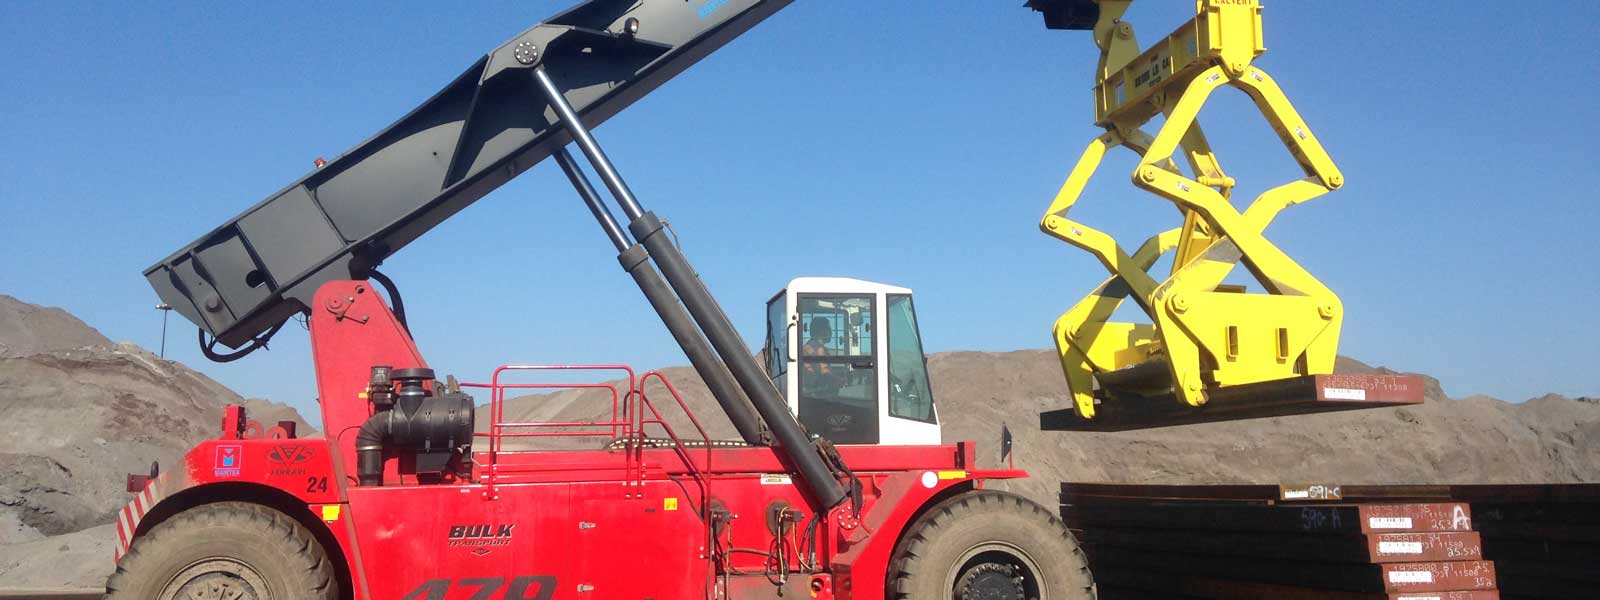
(352, 330)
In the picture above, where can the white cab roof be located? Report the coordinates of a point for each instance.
(842, 285)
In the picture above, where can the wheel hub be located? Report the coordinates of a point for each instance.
(990, 581)
(217, 579)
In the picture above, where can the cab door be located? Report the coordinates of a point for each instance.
(837, 364)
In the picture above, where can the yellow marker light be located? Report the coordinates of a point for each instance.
(330, 512)
(952, 474)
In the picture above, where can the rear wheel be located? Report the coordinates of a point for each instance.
(225, 551)
(988, 545)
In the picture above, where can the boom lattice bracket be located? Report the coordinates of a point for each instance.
(1203, 335)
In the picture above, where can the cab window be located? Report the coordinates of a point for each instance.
(777, 338)
(910, 396)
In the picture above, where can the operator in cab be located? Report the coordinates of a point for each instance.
(821, 333)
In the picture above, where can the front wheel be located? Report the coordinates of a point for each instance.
(988, 545)
(225, 551)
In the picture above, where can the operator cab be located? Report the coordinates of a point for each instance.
(847, 356)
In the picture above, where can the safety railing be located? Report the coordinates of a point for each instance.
(631, 411)
(697, 471)
(703, 507)
(500, 429)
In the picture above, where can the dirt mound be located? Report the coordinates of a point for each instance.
(82, 413)
(1472, 440)
(27, 328)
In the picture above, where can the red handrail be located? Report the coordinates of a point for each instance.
(683, 453)
(704, 437)
(630, 413)
(619, 424)
(629, 425)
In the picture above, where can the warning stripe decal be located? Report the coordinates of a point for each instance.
(131, 514)
(123, 528)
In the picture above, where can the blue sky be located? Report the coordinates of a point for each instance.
(925, 139)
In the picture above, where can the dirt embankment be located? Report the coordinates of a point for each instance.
(1470, 440)
(82, 412)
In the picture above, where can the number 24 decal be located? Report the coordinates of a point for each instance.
(316, 484)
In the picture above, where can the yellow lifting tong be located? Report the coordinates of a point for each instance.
(1203, 334)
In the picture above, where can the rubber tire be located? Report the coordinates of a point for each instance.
(936, 540)
(283, 552)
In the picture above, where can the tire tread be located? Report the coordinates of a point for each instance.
(309, 567)
(917, 547)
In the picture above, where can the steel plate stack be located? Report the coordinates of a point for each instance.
(1279, 542)
(1544, 539)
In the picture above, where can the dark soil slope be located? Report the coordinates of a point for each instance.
(81, 413)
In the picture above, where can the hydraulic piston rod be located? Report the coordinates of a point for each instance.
(635, 261)
(819, 479)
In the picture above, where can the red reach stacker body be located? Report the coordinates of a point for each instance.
(674, 517)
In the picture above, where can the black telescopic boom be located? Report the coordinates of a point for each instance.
(251, 274)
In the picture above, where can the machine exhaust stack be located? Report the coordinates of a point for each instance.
(435, 428)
